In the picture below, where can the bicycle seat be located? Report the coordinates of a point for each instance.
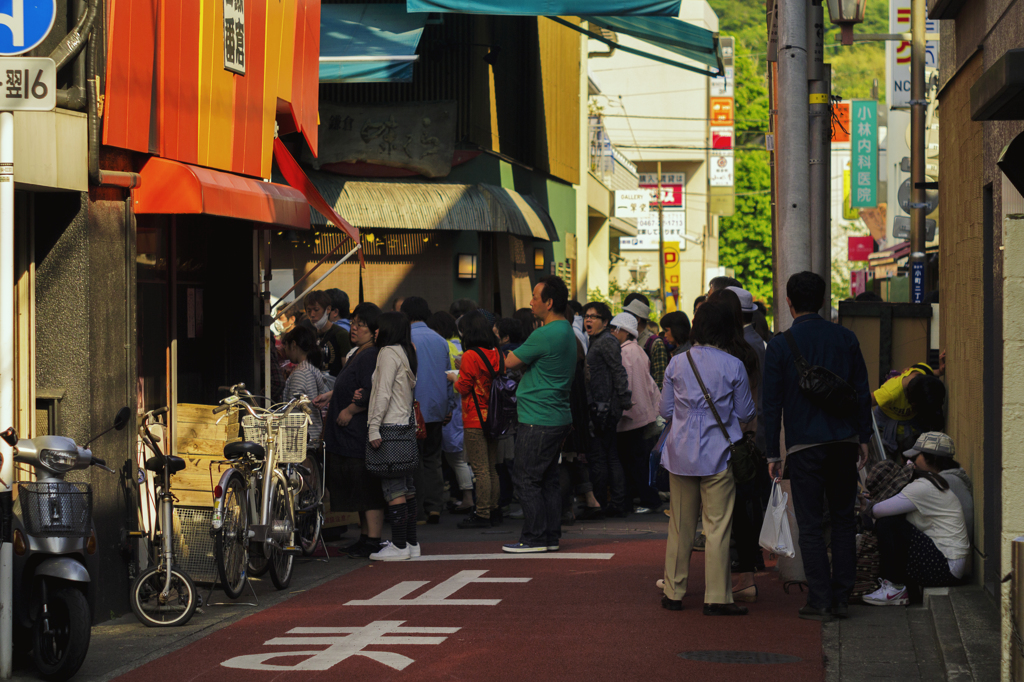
(237, 449)
(174, 464)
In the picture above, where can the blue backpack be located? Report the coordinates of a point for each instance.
(502, 415)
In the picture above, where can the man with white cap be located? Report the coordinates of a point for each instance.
(633, 446)
(639, 306)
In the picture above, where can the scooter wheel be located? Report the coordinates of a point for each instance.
(60, 639)
(153, 609)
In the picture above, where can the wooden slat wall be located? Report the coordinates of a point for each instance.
(559, 80)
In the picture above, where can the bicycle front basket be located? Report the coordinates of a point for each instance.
(291, 438)
(56, 509)
(255, 430)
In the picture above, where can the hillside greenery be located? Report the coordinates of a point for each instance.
(745, 240)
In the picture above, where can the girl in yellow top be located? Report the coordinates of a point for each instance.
(910, 404)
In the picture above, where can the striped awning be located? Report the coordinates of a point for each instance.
(432, 206)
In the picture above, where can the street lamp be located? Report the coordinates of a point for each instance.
(846, 13)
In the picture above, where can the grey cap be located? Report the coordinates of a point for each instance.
(638, 308)
(933, 443)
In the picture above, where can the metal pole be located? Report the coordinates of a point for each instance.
(661, 243)
(794, 230)
(820, 180)
(918, 105)
(7, 412)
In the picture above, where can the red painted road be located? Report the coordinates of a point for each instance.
(573, 620)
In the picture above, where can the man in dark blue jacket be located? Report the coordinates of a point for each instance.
(823, 452)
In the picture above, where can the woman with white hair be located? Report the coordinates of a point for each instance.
(635, 437)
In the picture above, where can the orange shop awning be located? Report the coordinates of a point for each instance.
(177, 188)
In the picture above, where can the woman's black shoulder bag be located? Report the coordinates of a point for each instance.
(745, 455)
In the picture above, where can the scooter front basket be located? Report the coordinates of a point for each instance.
(56, 509)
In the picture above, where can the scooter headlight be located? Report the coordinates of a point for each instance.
(58, 460)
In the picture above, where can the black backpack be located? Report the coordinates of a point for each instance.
(823, 386)
(502, 414)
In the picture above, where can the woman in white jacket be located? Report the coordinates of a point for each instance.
(391, 402)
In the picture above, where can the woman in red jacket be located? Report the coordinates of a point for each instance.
(481, 361)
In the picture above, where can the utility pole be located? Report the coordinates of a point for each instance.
(794, 228)
(918, 107)
(820, 178)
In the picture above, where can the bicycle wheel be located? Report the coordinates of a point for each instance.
(157, 612)
(279, 560)
(309, 515)
(231, 542)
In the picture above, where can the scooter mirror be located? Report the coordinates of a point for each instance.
(10, 436)
(122, 417)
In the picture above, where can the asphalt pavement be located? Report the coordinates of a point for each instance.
(466, 610)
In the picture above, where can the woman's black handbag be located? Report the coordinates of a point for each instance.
(398, 454)
(745, 455)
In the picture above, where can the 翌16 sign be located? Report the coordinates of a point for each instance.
(24, 24)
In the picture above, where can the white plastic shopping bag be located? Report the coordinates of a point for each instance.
(776, 536)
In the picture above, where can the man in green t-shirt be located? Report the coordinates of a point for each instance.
(548, 362)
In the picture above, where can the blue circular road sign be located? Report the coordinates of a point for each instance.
(24, 24)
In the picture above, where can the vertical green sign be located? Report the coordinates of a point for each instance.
(864, 154)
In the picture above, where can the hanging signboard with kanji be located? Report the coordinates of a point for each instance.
(864, 153)
(234, 36)
(720, 173)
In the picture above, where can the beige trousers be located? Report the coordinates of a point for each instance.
(482, 455)
(717, 493)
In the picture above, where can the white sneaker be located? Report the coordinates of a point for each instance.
(887, 595)
(660, 584)
(388, 552)
(414, 550)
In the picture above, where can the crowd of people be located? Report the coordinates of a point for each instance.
(620, 414)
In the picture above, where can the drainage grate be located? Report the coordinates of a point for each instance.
(193, 545)
(745, 657)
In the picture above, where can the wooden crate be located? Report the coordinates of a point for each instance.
(201, 442)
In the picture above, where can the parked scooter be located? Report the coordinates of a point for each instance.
(55, 559)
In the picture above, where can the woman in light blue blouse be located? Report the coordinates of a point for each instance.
(696, 455)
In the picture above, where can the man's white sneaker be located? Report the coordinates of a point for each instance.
(887, 595)
(388, 552)
(414, 550)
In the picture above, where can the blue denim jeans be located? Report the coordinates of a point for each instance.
(537, 482)
(826, 474)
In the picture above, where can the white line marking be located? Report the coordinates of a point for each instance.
(504, 555)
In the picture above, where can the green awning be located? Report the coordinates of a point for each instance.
(368, 43)
(668, 33)
(549, 8)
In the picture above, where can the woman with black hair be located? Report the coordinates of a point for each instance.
(481, 362)
(922, 535)
(528, 320)
(391, 402)
(300, 346)
(696, 454)
(677, 332)
(351, 486)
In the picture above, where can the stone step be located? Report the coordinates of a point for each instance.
(966, 627)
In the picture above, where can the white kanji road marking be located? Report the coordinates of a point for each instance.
(341, 643)
(435, 596)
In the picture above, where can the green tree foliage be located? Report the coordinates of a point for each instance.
(745, 241)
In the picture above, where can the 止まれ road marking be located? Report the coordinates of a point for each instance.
(341, 643)
(435, 596)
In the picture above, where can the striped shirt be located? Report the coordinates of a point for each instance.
(307, 380)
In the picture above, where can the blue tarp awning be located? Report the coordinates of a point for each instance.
(368, 43)
(549, 8)
(686, 40)
(668, 33)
